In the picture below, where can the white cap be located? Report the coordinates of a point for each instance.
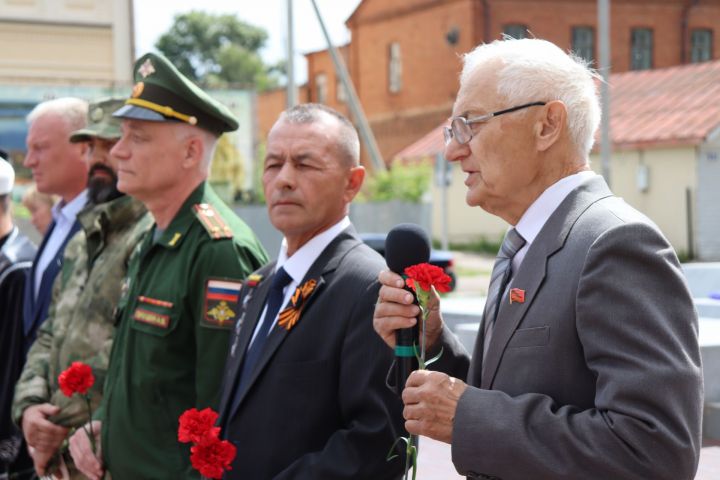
(7, 177)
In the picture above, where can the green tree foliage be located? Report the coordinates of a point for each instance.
(401, 182)
(217, 50)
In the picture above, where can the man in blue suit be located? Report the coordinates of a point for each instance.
(58, 167)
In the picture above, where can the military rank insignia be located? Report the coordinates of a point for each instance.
(221, 298)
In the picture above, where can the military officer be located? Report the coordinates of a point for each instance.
(80, 321)
(182, 285)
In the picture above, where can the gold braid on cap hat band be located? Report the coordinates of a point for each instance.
(162, 110)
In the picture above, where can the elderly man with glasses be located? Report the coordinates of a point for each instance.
(587, 362)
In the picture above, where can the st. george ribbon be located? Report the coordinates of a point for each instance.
(407, 244)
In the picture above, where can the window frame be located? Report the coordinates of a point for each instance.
(647, 52)
(693, 49)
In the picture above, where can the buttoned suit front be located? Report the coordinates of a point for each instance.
(316, 405)
(595, 374)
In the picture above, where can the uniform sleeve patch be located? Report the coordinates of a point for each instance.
(151, 318)
(221, 298)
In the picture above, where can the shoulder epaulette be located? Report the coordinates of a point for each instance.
(212, 221)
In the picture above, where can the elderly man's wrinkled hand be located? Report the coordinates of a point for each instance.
(431, 400)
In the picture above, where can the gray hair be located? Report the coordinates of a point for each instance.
(536, 70)
(348, 142)
(209, 140)
(73, 111)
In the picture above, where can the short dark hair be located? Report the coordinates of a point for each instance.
(348, 141)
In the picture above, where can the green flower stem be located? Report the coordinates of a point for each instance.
(91, 433)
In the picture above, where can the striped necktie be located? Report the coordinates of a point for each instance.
(501, 273)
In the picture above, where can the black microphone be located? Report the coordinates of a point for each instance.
(407, 244)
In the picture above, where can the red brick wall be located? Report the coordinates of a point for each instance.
(269, 106)
(321, 62)
(430, 65)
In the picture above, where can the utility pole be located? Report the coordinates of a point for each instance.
(364, 128)
(291, 88)
(604, 34)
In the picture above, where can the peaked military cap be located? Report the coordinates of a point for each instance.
(163, 94)
(101, 122)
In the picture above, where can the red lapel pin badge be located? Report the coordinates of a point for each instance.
(517, 295)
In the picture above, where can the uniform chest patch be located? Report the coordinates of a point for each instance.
(221, 298)
(151, 318)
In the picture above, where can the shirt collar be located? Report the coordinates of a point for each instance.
(69, 210)
(539, 212)
(300, 262)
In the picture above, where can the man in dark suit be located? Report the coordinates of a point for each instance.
(587, 363)
(304, 395)
(58, 167)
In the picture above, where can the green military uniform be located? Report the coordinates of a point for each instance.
(180, 302)
(80, 321)
(173, 335)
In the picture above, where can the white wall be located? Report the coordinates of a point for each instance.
(670, 171)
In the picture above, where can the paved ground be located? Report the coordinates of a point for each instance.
(434, 462)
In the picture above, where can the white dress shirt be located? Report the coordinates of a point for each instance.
(300, 262)
(64, 215)
(542, 208)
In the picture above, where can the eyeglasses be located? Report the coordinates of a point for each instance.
(460, 130)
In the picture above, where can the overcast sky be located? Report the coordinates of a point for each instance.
(153, 18)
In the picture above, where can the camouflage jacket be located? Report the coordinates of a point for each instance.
(81, 317)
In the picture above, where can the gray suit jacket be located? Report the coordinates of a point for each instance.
(596, 375)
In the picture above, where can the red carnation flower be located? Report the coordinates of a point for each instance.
(212, 456)
(427, 275)
(196, 425)
(78, 378)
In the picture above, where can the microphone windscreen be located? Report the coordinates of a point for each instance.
(406, 244)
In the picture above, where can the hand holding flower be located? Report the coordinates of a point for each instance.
(78, 378)
(82, 450)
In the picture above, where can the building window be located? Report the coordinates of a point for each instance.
(583, 42)
(701, 45)
(321, 88)
(641, 51)
(394, 68)
(515, 30)
(340, 92)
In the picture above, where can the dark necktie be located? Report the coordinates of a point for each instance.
(274, 302)
(502, 271)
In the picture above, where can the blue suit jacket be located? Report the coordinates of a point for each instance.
(35, 310)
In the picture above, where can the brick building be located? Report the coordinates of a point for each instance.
(403, 57)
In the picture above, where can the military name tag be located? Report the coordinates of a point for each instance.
(151, 318)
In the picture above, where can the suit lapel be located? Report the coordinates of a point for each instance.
(252, 304)
(532, 271)
(278, 334)
(326, 263)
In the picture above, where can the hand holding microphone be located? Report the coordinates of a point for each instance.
(406, 245)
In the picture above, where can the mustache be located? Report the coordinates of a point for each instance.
(99, 167)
